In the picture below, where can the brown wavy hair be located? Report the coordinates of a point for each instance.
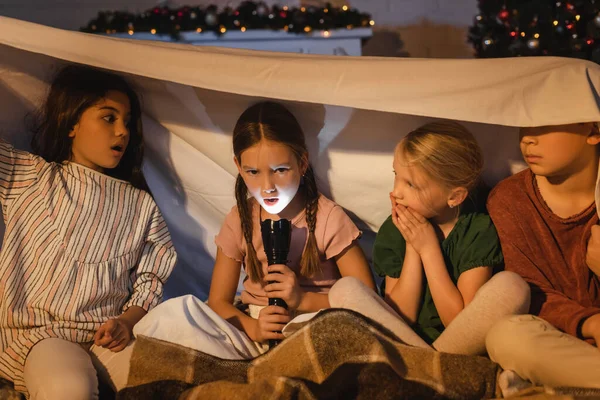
(272, 121)
(76, 88)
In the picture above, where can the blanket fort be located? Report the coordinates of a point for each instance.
(353, 110)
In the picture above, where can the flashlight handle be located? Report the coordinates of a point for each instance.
(276, 237)
(276, 301)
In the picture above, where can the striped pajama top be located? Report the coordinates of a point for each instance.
(79, 248)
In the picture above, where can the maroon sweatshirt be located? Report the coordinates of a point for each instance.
(547, 251)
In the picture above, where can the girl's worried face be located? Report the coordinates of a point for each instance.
(272, 174)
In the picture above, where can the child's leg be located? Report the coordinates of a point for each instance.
(537, 351)
(189, 322)
(506, 293)
(352, 294)
(59, 369)
(113, 368)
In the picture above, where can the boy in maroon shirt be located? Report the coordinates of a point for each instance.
(547, 223)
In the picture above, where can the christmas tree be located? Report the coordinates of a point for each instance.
(509, 28)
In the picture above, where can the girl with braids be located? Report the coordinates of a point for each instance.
(275, 181)
(272, 160)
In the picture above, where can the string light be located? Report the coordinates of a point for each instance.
(171, 22)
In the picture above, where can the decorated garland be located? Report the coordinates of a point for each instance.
(249, 15)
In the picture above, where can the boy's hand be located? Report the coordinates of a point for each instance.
(592, 255)
(114, 334)
(591, 328)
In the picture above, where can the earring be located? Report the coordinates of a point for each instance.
(451, 205)
(302, 180)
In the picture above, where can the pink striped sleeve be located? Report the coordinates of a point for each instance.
(156, 262)
(17, 172)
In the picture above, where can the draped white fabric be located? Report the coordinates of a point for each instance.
(353, 111)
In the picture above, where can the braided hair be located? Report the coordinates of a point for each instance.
(273, 122)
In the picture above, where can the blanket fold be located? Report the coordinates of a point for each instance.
(340, 354)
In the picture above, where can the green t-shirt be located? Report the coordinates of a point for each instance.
(472, 243)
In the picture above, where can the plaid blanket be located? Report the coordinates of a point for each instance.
(340, 354)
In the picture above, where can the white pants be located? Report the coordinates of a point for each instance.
(506, 293)
(539, 352)
(189, 322)
(58, 369)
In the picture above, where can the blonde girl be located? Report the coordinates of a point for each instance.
(436, 252)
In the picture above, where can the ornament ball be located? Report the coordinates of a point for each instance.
(533, 44)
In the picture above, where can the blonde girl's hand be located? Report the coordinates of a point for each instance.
(114, 335)
(283, 284)
(394, 213)
(271, 321)
(416, 229)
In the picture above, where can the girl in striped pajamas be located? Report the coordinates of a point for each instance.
(86, 251)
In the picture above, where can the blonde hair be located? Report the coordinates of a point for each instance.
(447, 152)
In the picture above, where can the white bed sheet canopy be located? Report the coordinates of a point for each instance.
(353, 111)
